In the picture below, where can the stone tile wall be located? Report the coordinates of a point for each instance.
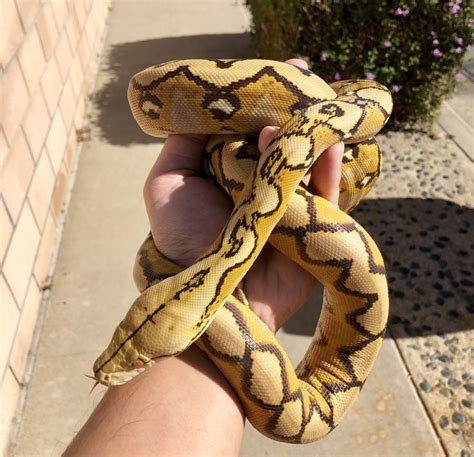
(49, 52)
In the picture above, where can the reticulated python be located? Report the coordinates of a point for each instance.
(203, 303)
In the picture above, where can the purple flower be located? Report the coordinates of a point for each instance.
(437, 53)
(435, 42)
(337, 76)
(458, 50)
(396, 88)
(370, 76)
(454, 9)
(387, 44)
(459, 41)
(323, 57)
(433, 33)
(458, 77)
(402, 11)
(264, 27)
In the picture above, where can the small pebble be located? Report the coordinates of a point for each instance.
(445, 392)
(443, 422)
(446, 372)
(454, 340)
(458, 418)
(467, 403)
(438, 135)
(454, 383)
(453, 349)
(425, 387)
(465, 453)
(469, 388)
(453, 405)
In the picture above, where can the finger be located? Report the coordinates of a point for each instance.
(326, 174)
(298, 63)
(266, 136)
(180, 152)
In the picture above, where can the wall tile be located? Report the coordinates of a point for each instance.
(16, 175)
(52, 84)
(77, 76)
(47, 30)
(87, 6)
(79, 121)
(80, 14)
(84, 53)
(28, 10)
(3, 147)
(15, 98)
(36, 123)
(60, 11)
(63, 55)
(9, 315)
(90, 30)
(6, 229)
(8, 400)
(41, 189)
(18, 263)
(72, 29)
(67, 104)
(12, 31)
(43, 258)
(71, 149)
(31, 59)
(25, 330)
(59, 190)
(56, 141)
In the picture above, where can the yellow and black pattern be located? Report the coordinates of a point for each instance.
(204, 303)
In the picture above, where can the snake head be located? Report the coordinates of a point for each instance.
(119, 363)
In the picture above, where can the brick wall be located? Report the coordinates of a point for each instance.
(48, 55)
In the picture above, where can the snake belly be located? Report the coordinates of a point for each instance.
(204, 303)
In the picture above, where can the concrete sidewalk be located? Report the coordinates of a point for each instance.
(426, 184)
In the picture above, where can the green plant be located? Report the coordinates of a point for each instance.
(414, 47)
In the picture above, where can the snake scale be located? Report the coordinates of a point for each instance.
(232, 100)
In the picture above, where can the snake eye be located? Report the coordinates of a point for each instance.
(138, 363)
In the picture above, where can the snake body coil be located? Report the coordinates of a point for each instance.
(178, 307)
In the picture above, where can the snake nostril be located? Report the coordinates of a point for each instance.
(138, 363)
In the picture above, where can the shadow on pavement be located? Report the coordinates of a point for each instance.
(114, 119)
(429, 255)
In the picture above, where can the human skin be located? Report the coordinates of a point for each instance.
(183, 406)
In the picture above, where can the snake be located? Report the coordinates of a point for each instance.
(232, 100)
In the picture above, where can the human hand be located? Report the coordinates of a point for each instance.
(187, 213)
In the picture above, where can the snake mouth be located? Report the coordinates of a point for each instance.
(122, 373)
(118, 377)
